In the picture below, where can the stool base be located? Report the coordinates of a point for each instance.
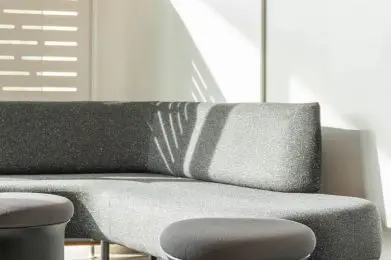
(33, 243)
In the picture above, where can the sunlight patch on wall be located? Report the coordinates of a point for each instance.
(18, 42)
(48, 58)
(56, 43)
(49, 28)
(38, 89)
(7, 26)
(40, 12)
(232, 59)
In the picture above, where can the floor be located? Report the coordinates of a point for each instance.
(386, 245)
(90, 253)
(120, 253)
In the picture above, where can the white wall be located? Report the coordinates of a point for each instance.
(126, 36)
(178, 50)
(339, 53)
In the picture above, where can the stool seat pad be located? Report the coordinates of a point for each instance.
(229, 239)
(21, 210)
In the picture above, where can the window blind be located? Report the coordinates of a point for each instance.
(45, 50)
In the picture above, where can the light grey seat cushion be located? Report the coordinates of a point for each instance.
(237, 238)
(266, 146)
(33, 209)
(133, 210)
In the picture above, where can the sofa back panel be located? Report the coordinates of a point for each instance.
(266, 146)
(72, 137)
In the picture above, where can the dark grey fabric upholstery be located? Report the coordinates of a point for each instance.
(73, 137)
(266, 146)
(19, 210)
(239, 238)
(133, 210)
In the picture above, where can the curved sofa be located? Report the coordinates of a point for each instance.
(133, 168)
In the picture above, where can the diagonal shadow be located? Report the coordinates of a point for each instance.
(184, 73)
(185, 137)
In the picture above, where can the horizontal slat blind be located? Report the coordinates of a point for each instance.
(45, 49)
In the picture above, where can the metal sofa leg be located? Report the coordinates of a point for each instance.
(104, 250)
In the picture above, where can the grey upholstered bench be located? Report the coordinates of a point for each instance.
(32, 226)
(233, 239)
(132, 168)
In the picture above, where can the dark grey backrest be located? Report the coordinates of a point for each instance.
(266, 146)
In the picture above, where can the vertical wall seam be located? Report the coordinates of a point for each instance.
(264, 50)
(94, 50)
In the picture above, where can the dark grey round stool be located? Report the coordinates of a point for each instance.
(237, 239)
(32, 226)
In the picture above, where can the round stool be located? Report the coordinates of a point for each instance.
(233, 239)
(32, 226)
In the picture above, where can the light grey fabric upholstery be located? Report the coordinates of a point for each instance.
(19, 210)
(237, 238)
(133, 210)
(266, 146)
